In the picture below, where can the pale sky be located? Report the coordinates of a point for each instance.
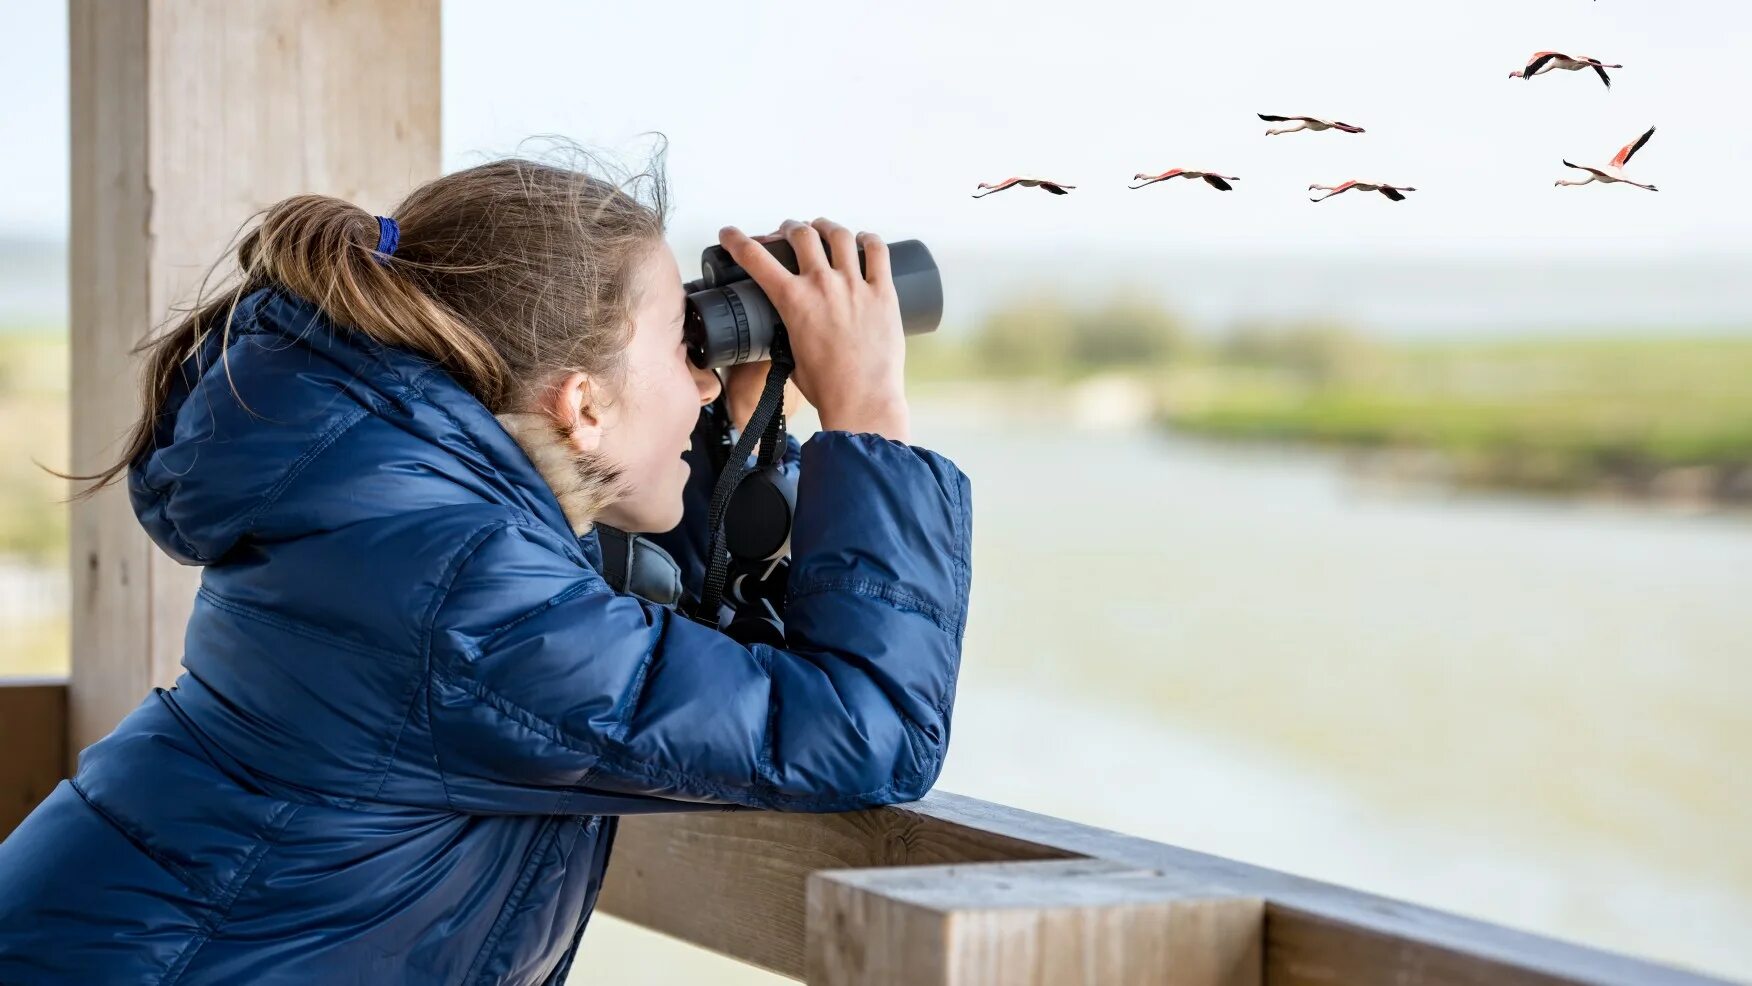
(886, 118)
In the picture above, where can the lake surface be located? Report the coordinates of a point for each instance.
(1532, 712)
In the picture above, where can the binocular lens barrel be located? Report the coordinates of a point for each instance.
(731, 321)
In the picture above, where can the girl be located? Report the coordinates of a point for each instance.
(412, 709)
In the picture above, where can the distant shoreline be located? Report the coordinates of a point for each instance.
(1119, 402)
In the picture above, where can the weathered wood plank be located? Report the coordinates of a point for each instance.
(1054, 923)
(187, 118)
(735, 882)
(108, 308)
(33, 744)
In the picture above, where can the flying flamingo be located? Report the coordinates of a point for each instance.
(1216, 181)
(1054, 187)
(1541, 62)
(1614, 171)
(1391, 191)
(1307, 123)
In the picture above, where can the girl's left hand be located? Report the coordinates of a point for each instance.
(742, 386)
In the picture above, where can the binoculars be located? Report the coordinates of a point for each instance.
(730, 320)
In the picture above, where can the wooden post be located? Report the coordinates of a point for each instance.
(187, 118)
(1054, 923)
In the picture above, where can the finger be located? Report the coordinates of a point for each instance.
(806, 242)
(876, 269)
(841, 246)
(753, 258)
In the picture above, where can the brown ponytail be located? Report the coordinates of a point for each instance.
(506, 274)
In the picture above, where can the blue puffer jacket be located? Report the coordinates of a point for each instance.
(412, 707)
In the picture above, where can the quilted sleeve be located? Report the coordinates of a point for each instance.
(542, 677)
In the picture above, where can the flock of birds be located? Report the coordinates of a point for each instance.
(1539, 63)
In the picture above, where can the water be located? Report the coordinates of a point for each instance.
(1529, 712)
(33, 283)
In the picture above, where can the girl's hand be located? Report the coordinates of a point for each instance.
(844, 325)
(742, 386)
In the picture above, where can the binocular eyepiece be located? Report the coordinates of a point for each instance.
(731, 321)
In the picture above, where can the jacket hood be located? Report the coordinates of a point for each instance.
(333, 428)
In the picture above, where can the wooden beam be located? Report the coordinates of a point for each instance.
(1057, 923)
(33, 744)
(187, 118)
(735, 882)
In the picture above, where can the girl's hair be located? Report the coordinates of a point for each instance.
(506, 273)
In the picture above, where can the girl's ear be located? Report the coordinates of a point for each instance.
(576, 406)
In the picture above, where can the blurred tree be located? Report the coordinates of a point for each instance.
(1320, 352)
(1043, 336)
(1029, 337)
(1128, 331)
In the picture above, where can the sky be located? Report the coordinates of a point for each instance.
(886, 119)
(890, 119)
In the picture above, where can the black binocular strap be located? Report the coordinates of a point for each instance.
(763, 421)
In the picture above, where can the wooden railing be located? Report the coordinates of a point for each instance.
(951, 890)
(33, 744)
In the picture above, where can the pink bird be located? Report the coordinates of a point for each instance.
(1391, 191)
(1056, 188)
(1216, 181)
(1307, 123)
(1613, 172)
(1541, 62)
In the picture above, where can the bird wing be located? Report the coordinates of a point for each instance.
(1626, 152)
(1217, 182)
(1055, 188)
(1278, 119)
(1603, 76)
(1539, 60)
(1392, 193)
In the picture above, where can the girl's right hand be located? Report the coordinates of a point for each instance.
(844, 325)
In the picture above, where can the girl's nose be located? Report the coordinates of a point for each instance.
(708, 383)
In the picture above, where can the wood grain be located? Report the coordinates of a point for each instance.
(1055, 923)
(33, 744)
(735, 882)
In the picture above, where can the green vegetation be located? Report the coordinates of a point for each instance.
(1044, 338)
(33, 521)
(33, 425)
(1634, 415)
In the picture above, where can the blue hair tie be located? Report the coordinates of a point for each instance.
(388, 238)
